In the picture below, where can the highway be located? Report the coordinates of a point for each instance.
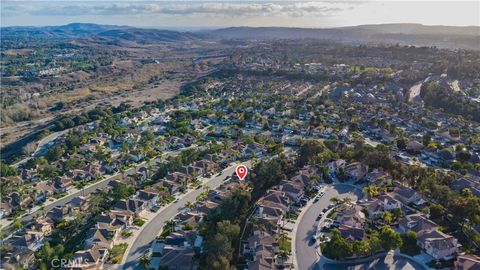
(305, 249)
(154, 226)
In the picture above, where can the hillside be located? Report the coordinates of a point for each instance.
(103, 33)
(405, 34)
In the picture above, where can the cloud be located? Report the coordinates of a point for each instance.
(216, 9)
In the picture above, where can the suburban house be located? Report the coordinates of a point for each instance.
(79, 203)
(272, 207)
(30, 240)
(261, 251)
(63, 184)
(408, 196)
(351, 216)
(434, 242)
(149, 196)
(467, 262)
(335, 167)
(136, 206)
(176, 251)
(18, 257)
(438, 244)
(351, 233)
(92, 258)
(5, 209)
(356, 171)
(388, 202)
(293, 190)
(103, 237)
(44, 226)
(416, 223)
(59, 213)
(116, 219)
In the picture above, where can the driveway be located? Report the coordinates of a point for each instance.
(306, 255)
(155, 226)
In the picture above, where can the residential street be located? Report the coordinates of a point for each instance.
(48, 205)
(154, 226)
(306, 254)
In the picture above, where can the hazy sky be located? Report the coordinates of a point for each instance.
(192, 14)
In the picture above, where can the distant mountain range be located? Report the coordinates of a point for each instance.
(405, 34)
(103, 33)
(408, 34)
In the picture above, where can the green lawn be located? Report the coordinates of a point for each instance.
(167, 200)
(165, 232)
(126, 233)
(59, 195)
(285, 245)
(116, 253)
(138, 222)
(195, 184)
(332, 215)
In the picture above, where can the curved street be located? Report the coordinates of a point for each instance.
(306, 254)
(152, 228)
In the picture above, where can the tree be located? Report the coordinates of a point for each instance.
(144, 261)
(387, 217)
(49, 171)
(97, 203)
(427, 138)
(55, 153)
(337, 247)
(436, 211)
(409, 245)
(389, 238)
(371, 191)
(375, 244)
(466, 208)
(6, 170)
(402, 143)
(171, 224)
(397, 213)
(361, 248)
(17, 224)
(219, 246)
(122, 191)
(309, 151)
(190, 204)
(334, 200)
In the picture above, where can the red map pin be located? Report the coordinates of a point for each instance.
(241, 171)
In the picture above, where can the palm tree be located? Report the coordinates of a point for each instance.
(171, 224)
(207, 188)
(144, 261)
(347, 200)
(371, 191)
(190, 205)
(335, 200)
